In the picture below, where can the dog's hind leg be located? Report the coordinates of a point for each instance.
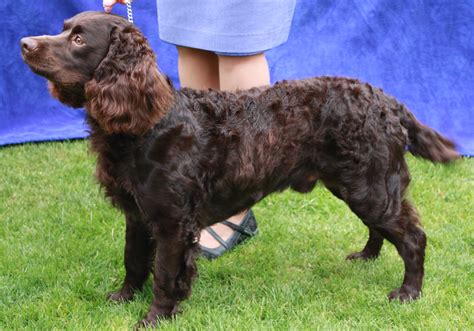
(374, 244)
(386, 211)
(371, 249)
(139, 247)
(410, 240)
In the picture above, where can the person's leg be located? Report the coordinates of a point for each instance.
(237, 73)
(243, 72)
(201, 69)
(198, 69)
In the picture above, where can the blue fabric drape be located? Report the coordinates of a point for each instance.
(422, 52)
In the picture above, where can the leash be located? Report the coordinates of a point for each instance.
(129, 11)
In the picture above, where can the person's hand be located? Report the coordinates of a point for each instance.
(108, 4)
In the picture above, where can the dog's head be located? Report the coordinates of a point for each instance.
(69, 60)
(105, 63)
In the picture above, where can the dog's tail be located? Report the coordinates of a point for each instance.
(426, 142)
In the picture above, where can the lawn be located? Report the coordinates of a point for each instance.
(61, 251)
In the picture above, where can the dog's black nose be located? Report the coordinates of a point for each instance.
(28, 45)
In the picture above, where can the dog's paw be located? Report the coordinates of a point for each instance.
(120, 296)
(404, 294)
(146, 323)
(364, 256)
(154, 316)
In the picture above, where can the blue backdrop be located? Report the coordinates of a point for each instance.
(422, 52)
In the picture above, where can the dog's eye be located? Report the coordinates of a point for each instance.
(78, 40)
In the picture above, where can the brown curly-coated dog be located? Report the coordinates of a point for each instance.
(176, 161)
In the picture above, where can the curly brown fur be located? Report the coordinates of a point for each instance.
(178, 161)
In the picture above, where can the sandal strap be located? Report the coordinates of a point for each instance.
(238, 228)
(217, 237)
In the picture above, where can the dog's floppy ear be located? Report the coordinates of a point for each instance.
(128, 95)
(72, 95)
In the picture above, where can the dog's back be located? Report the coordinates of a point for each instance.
(311, 125)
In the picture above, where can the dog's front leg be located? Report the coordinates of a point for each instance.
(175, 268)
(139, 249)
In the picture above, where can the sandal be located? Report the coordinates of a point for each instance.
(246, 229)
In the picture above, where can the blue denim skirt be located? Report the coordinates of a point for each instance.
(235, 27)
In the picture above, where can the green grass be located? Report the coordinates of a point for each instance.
(61, 249)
